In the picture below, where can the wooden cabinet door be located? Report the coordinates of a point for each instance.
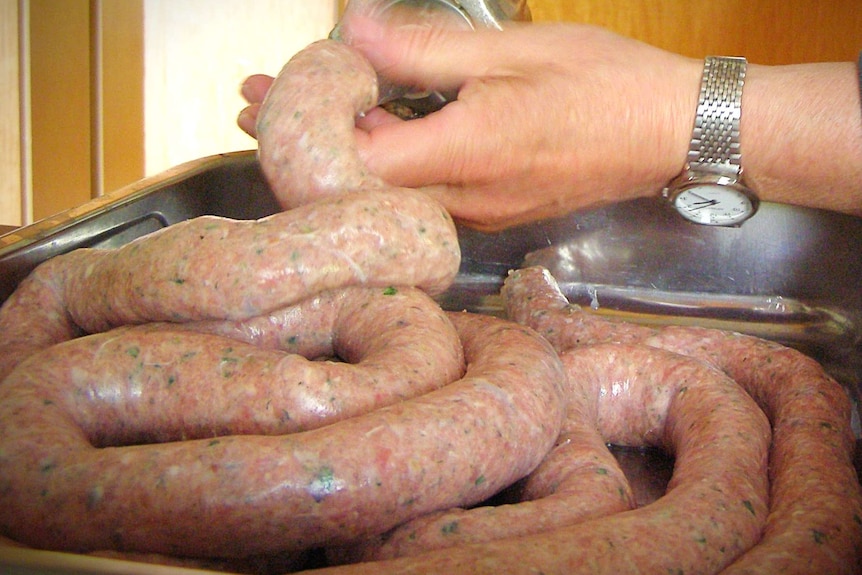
(764, 31)
(72, 103)
(86, 99)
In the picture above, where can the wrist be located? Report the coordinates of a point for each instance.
(676, 127)
(801, 135)
(709, 189)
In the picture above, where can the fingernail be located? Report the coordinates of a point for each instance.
(244, 89)
(247, 121)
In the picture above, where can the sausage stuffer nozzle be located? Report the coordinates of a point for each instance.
(408, 101)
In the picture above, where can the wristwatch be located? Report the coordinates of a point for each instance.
(709, 190)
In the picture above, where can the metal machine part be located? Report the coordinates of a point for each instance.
(408, 101)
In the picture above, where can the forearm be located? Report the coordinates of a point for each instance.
(801, 135)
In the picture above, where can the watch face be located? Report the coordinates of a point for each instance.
(713, 204)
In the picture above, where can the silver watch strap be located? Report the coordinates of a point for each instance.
(714, 143)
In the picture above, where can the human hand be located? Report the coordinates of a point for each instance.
(549, 118)
(254, 90)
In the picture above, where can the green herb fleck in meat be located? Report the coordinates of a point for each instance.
(323, 484)
(449, 528)
(228, 363)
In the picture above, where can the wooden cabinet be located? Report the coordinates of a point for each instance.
(764, 31)
(72, 91)
(95, 94)
(11, 175)
(86, 93)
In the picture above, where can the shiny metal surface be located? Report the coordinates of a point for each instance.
(408, 101)
(495, 13)
(470, 13)
(789, 274)
(792, 275)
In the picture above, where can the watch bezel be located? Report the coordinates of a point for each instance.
(690, 180)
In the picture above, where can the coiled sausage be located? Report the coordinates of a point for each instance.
(346, 227)
(578, 480)
(716, 504)
(815, 520)
(218, 495)
(214, 268)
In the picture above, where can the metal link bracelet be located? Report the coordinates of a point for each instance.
(714, 145)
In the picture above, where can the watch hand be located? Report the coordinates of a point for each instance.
(704, 203)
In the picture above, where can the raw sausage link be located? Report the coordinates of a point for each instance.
(387, 336)
(815, 521)
(579, 479)
(716, 504)
(239, 495)
(305, 127)
(212, 267)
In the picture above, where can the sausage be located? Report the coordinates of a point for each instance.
(578, 480)
(215, 268)
(344, 227)
(717, 501)
(815, 521)
(204, 271)
(65, 484)
(305, 127)
(390, 336)
(384, 337)
(33, 318)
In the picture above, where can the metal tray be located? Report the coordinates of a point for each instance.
(789, 274)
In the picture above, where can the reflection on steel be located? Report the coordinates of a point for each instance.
(789, 274)
(463, 14)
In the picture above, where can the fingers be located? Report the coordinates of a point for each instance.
(247, 120)
(435, 149)
(254, 90)
(255, 87)
(501, 205)
(375, 118)
(426, 56)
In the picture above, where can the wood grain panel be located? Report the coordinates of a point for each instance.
(122, 83)
(10, 133)
(764, 31)
(60, 104)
